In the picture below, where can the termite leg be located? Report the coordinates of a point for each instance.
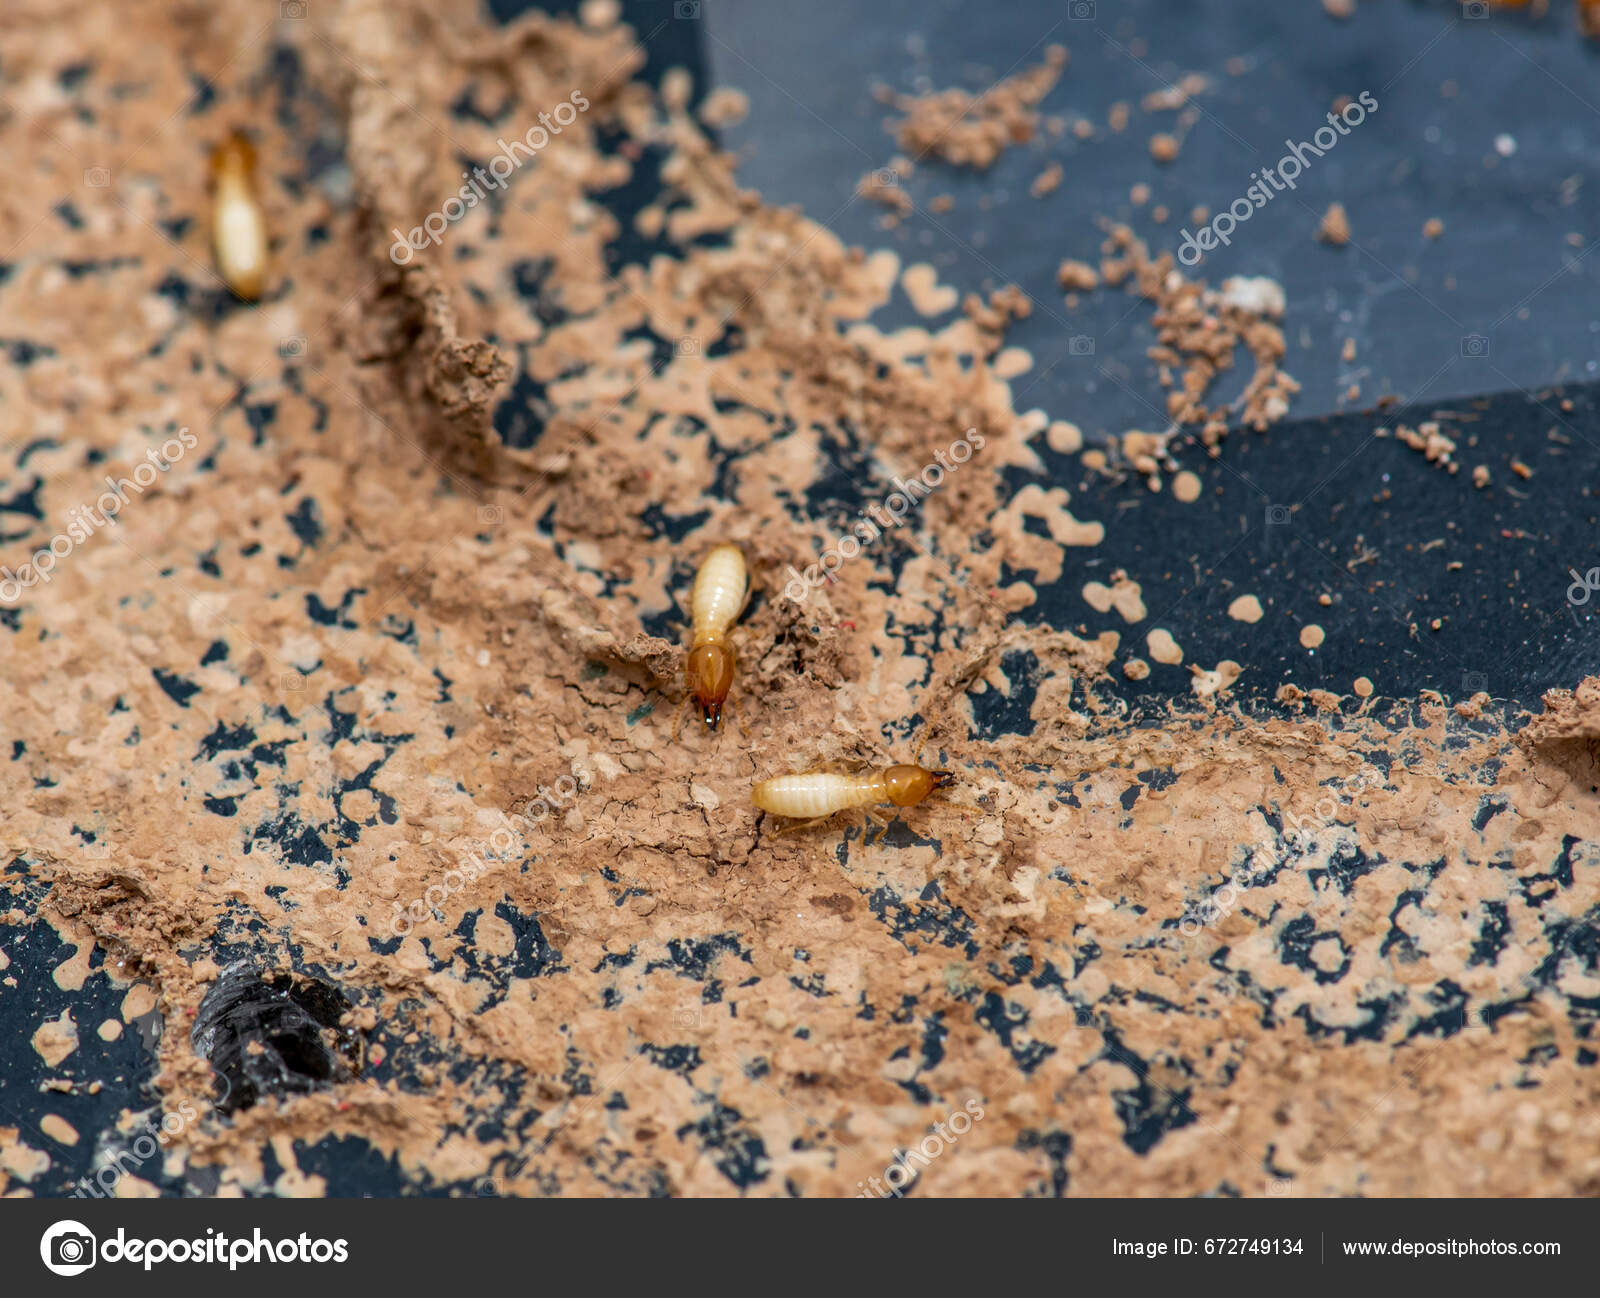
(677, 720)
(798, 826)
(733, 708)
(872, 816)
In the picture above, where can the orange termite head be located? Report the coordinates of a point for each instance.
(235, 156)
(909, 785)
(710, 678)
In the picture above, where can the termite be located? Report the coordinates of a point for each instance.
(721, 588)
(813, 796)
(238, 227)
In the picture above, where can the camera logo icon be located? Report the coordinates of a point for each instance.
(292, 10)
(489, 515)
(688, 9)
(1277, 515)
(67, 1248)
(1081, 345)
(1474, 683)
(96, 177)
(1474, 345)
(688, 345)
(1475, 9)
(1081, 10)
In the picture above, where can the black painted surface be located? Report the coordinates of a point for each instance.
(1504, 270)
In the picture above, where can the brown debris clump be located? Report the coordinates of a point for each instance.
(1430, 440)
(967, 130)
(1077, 276)
(1335, 227)
(882, 186)
(1198, 329)
(1569, 716)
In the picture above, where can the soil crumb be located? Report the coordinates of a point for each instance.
(967, 130)
(1247, 608)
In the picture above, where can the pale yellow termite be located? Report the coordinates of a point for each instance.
(721, 587)
(816, 795)
(238, 226)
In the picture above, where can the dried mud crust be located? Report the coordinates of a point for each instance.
(302, 680)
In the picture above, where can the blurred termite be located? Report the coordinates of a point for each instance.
(238, 226)
(721, 587)
(812, 796)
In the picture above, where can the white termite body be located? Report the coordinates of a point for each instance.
(238, 225)
(719, 590)
(811, 795)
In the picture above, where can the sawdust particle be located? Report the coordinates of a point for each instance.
(1163, 648)
(58, 1129)
(1335, 227)
(56, 1038)
(1247, 608)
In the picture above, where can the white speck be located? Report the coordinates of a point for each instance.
(1505, 145)
(1258, 295)
(483, 657)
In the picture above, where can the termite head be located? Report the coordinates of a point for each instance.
(909, 785)
(710, 678)
(234, 157)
